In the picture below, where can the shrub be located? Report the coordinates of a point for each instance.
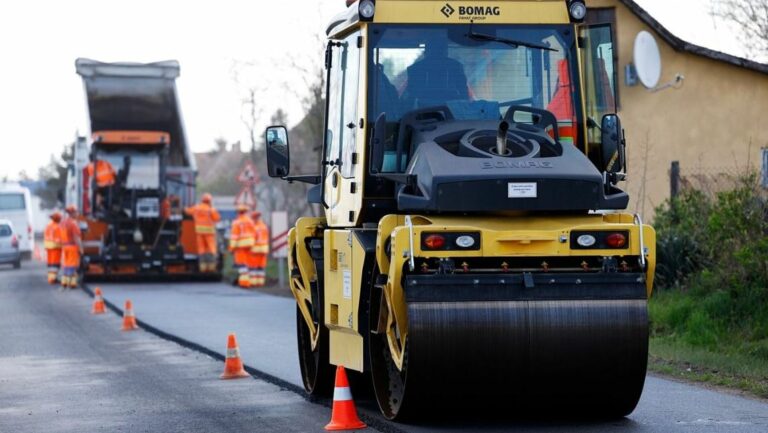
(712, 253)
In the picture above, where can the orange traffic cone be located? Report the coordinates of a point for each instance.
(129, 319)
(98, 302)
(233, 364)
(344, 414)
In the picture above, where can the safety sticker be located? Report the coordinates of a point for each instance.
(522, 190)
(346, 284)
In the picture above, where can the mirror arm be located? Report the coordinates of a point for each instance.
(312, 179)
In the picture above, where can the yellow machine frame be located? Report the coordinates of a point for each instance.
(345, 251)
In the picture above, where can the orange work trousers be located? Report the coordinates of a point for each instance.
(206, 243)
(53, 257)
(257, 261)
(70, 257)
(241, 256)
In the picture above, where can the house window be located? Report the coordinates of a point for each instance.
(765, 167)
(597, 16)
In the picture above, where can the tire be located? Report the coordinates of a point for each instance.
(317, 374)
(17, 264)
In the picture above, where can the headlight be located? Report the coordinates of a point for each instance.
(578, 10)
(465, 241)
(586, 241)
(366, 10)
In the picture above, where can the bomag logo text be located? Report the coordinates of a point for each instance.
(481, 11)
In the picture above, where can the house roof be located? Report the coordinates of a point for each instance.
(681, 45)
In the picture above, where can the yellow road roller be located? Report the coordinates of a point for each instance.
(474, 246)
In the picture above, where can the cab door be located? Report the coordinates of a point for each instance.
(599, 77)
(341, 127)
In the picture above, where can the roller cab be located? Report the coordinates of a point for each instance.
(474, 246)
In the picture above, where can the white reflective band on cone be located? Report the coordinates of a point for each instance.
(233, 353)
(129, 313)
(342, 394)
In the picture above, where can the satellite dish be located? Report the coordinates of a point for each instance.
(647, 60)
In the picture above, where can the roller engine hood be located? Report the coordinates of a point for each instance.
(456, 169)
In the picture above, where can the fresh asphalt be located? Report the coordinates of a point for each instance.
(203, 314)
(65, 370)
(62, 369)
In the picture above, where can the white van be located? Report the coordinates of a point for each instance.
(16, 206)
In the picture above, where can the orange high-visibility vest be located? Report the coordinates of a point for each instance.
(105, 173)
(261, 245)
(205, 216)
(243, 233)
(69, 232)
(52, 236)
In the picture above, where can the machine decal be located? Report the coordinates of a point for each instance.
(522, 190)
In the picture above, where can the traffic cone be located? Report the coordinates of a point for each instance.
(129, 319)
(233, 365)
(344, 414)
(98, 302)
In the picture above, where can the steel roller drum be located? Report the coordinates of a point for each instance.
(553, 343)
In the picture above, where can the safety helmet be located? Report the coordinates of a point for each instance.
(206, 198)
(71, 209)
(56, 216)
(241, 208)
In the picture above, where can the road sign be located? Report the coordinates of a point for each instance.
(279, 234)
(248, 175)
(246, 197)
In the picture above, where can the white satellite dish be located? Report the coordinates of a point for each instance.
(647, 60)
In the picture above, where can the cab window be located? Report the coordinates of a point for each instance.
(342, 103)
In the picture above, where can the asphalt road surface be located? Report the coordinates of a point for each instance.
(65, 370)
(62, 369)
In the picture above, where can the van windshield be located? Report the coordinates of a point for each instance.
(12, 201)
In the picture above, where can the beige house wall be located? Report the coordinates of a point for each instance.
(716, 122)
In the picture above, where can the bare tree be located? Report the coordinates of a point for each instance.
(751, 17)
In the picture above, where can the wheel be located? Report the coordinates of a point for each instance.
(316, 373)
(389, 383)
(17, 264)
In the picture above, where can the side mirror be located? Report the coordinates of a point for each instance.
(377, 143)
(278, 156)
(613, 145)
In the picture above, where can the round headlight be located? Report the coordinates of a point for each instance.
(367, 9)
(586, 240)
(465, 241)
(578, 10)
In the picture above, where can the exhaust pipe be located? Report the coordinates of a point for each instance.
(501, 138)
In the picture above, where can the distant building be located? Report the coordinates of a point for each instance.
(715, 122)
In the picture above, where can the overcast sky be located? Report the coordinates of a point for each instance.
(41, 97)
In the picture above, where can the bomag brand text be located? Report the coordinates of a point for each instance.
(479, 10)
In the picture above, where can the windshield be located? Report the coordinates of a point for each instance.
(144, 172)
(12, 201)
(477, 71)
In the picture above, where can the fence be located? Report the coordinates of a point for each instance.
(712, 180)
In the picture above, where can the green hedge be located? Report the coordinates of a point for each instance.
(712, 275)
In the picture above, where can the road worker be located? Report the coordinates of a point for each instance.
(71, 248)
(258, 258)
(52, 243)
(205, 217)
(103, 175)
(102, 172)
(241, 241)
